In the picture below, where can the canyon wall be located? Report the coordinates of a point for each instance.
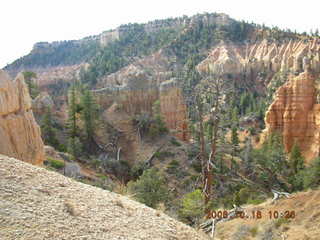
(174, 110)
(259, 62)
(137, 87)
(295, 112)
(19, 133)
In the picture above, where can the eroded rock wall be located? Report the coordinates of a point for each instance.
(260, 61)
(295, 113)
(137, 87)
(19, 133)
(174, 110)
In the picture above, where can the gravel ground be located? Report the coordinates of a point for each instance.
(39, 204)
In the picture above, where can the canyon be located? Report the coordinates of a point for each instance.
(294, 110)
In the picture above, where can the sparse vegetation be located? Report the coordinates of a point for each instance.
(192, 206)
(55, 163)
(150, 188)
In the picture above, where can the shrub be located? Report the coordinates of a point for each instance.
(196, 165)
(244, 195)
(137, 170)
(172, 166)
(174, 142)
(254, 231)
(57, 164)
(164, 154)
(255, 201)
(192, 206)
(150, 188)
(281, 221)
(311, 177)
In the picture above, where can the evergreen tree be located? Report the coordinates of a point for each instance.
(32, 86)
(89, 114)
(74, 144)
(74, 147)
(296, 159)
(234, 137)
(192, 206)
(150, 188)
(234, 141)
(234, 117)
(72, 112)
(47, 129)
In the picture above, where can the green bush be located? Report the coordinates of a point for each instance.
(311, 177)
(137, 170)
(254, 231)
(281, 221)
(164, 154)
(244, 195)
(192, 206)
(255, 201)
(174, 142)
(173, 166)
(57, 164)
(196, 165)
(150, 188)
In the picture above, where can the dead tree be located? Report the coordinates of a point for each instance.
(277, 195)
(212, 102)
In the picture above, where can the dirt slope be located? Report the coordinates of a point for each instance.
(304, 226)
(39, 204)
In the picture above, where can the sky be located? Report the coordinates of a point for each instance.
(23, 23)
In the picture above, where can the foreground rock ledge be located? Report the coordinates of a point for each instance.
(39, 204)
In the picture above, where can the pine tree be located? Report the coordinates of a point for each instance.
(88, 114)
(72, 113)
(234, 117)
(234, 140)
(48, 131)
(74, 144)
(296, 159)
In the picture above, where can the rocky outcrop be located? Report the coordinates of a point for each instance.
(259, 62)
(173, 109)
(40, 204)
(295, 113)
(19, 133)
(138, 86)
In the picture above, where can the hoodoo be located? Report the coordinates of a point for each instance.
(19, 133)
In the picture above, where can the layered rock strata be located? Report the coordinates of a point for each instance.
(260, 61)
(138, 86)
(173, 109)
(19, 133)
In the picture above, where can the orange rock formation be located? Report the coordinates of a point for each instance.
(296, 114)
(19, 133)
(174, 109)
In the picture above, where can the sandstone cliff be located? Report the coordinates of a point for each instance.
(295, 112)
(259, 62)
(135, 89)
(19, 133)
(40, 204)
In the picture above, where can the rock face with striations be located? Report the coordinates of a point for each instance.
(258, 63)
(138, 86)
(19, 133)
(295, 112)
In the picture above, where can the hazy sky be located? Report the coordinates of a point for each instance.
(24, 23)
